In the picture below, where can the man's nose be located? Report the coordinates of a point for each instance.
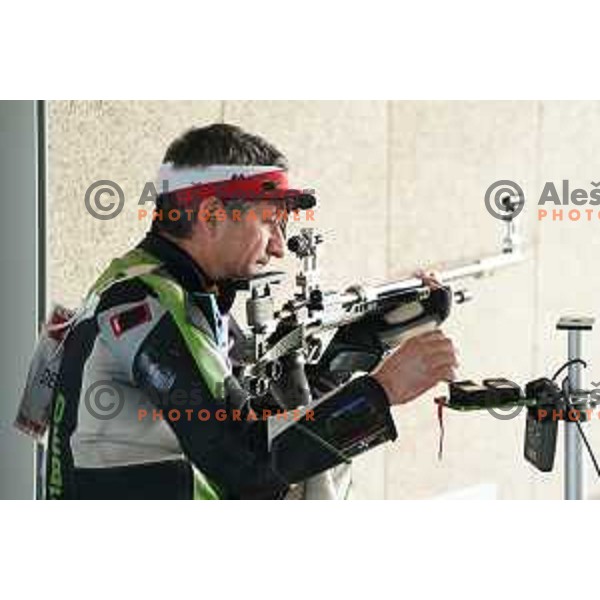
(276, 245)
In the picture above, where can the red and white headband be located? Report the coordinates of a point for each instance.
(231, 182)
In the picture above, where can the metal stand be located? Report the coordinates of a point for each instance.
(574, 471)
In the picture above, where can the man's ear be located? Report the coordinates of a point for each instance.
(211, 212)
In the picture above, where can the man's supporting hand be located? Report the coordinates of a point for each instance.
(416, 366)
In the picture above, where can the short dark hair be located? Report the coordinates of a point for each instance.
(217, 144)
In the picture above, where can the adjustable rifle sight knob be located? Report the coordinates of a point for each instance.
(304, 244)
(299, 245)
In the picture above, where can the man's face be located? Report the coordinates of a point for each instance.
(246, 244)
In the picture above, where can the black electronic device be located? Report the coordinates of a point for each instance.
(503, 390)
(467, 393)
(541, 432)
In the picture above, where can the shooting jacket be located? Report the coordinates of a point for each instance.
(147, 406)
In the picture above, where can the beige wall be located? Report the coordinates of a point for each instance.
(400, 184)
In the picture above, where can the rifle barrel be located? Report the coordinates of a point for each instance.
(473, 269)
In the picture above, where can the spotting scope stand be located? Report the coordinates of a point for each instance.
(575, 480)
